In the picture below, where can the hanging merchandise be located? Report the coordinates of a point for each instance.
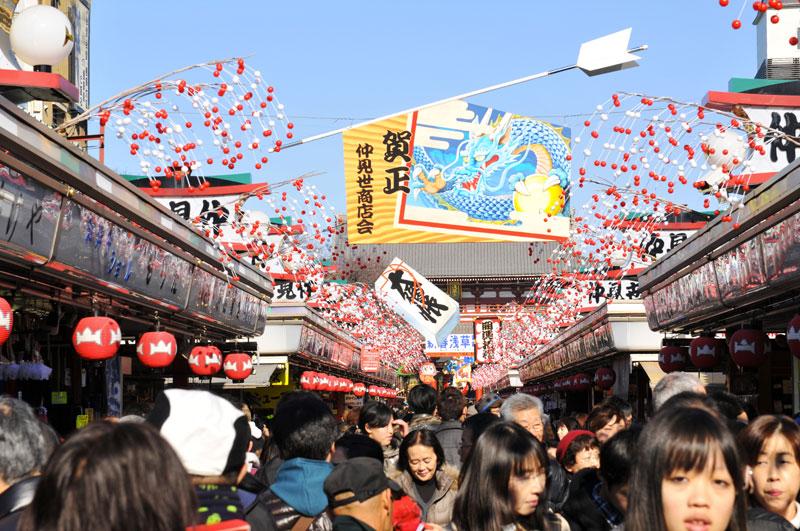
(97, 338)
(671, 359)
(238, 365)
(205, 361)
(605, 378)
(156, 349)
(6, 320)
(748, 347)
(792, 335)
(705, 352)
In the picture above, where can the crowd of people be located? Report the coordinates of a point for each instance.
(701, 462)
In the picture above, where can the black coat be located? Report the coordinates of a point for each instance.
(759, 519)
(14, 500)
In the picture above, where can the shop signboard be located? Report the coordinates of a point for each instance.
(457, 172)
(29, 215)
(370, 360)
(291, 291)
(424, 306)
(779, 150)
(101, 249)
(454, 345)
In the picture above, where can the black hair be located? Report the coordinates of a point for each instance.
(578, 444)
(303, 426)
(728, 404)
(483, 501)
(424, 437)
(616, 456)
(422, 399)
(621, 404)
(376, 414)
(353, 445)
(601, 415)
(474, 426)
(680, 439)
(568, 422)
(451, 406)
(112, 476)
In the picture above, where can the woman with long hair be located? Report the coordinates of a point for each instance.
(771, 446)
(686, 475)
(425, 477)
(115, 477)
(503, 485)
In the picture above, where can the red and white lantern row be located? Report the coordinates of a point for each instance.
(6, 320)
(97, 338)
(705, 352)
(156, 349)
(748, 347)
(205, 360)
(792, 335)
(605, 378)
(581, 382)
(671, 359)
(313, 381)
(238, 365)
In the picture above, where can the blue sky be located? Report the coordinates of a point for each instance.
(335, 63)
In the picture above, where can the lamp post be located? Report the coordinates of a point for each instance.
(41, 36)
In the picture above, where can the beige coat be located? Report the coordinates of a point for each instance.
(440, 508)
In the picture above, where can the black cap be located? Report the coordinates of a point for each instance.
(363, 476)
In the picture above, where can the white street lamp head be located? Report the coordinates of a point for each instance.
(41, 35)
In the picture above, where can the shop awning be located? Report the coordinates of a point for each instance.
(723, 276)
(654, 372)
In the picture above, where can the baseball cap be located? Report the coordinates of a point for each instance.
(487, 402)
(363, 476)
(209, 434)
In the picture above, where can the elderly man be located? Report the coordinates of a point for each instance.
(528, 412)
(359, 496)
(674, 383)
(25, 447)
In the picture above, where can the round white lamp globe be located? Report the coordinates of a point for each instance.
(41, 35)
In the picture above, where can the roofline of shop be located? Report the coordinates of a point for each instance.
(778, 195)
(39, 146)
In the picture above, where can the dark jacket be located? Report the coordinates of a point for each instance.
(449, 435)
(14, 500)
(582, 509)
(297, 492)
(558, 492)
(348, 523)
(759, 519)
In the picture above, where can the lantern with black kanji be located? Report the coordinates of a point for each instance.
(792, 336)
(671, 358)
(238, 365)
(6, 320)
(97, 338)
(748, 347)
(156, 349)
(705, 352)
(205, 361)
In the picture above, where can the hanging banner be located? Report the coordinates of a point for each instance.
(454, 345)
(424, 306)
(457, 172)
(370, 360)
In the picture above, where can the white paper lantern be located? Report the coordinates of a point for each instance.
(41, 35)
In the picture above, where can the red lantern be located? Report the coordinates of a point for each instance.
(372, 390)
(359, 389)
(238, 365)
(705, 352)
(305, 380)
(605, 377)
(97, 338)
(557, 385)
(671, 359)
(156, 349)
(349, 386)
(582, 382)
(203, 361)
(324, 383)
(315, 381)
(748, 347)
(792, 335)
(6, 320)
